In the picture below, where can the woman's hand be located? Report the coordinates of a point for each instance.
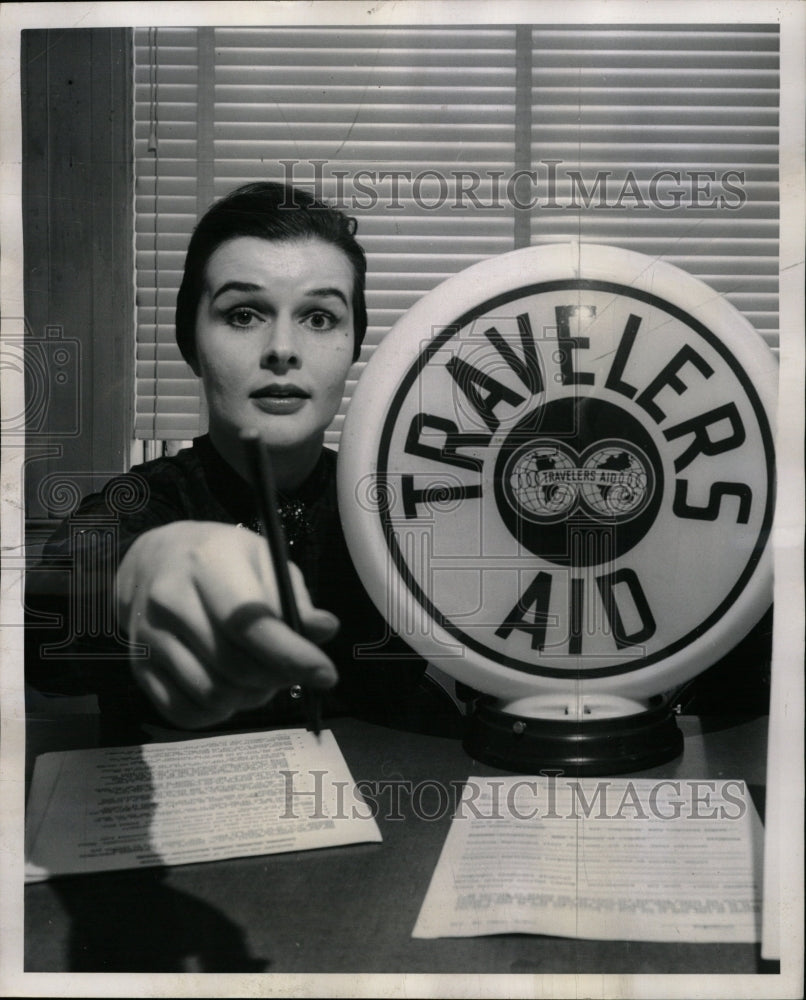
(203, 598)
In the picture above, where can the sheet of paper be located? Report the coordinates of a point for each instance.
(608, 859)
(194, 800)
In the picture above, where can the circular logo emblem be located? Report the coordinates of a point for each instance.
(572, 470)
(544, 483)
(571, 478)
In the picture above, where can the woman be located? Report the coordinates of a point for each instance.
(270, 315)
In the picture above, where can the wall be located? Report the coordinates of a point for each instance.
(77, 225)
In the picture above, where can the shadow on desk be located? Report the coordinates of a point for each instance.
(134, 922)
(129, 921)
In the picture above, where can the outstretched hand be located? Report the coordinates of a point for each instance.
(203, 597)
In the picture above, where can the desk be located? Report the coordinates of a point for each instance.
(352, 909)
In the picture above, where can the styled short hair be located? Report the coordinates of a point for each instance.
(269, 211)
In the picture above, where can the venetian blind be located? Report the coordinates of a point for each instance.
(420, 133)
(680, 126)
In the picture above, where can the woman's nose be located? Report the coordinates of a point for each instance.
(281, 349)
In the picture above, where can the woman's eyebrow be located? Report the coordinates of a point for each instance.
(248, 286)
(324, 292)
(236, 286)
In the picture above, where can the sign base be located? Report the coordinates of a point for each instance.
(527, 745)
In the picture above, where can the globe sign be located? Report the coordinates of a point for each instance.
(557, 474)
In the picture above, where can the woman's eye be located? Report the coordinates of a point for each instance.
(320, 321)
(241, 318)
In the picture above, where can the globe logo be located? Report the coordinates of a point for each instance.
(612, 481)
(543, 481)
(622, 481)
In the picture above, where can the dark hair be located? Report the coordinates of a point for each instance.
(269, 211)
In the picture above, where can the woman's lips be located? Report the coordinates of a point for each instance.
(280, 399)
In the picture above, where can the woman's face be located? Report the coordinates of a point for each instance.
(274, 340)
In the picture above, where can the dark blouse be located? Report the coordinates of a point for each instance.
(379, 675)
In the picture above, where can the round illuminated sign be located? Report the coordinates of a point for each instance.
(558, 468)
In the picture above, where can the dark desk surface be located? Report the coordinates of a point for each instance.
(352, 909)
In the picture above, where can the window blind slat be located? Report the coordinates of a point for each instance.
(363, 39)
(659, 157)
(572, 96)
(173, 93)
(293, 112)
(435, 93)
(667, 37)
(274, 75)
(240, 154)
(719, 58)
(320, 130)
(702, 114)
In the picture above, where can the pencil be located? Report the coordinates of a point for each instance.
(266, 492)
